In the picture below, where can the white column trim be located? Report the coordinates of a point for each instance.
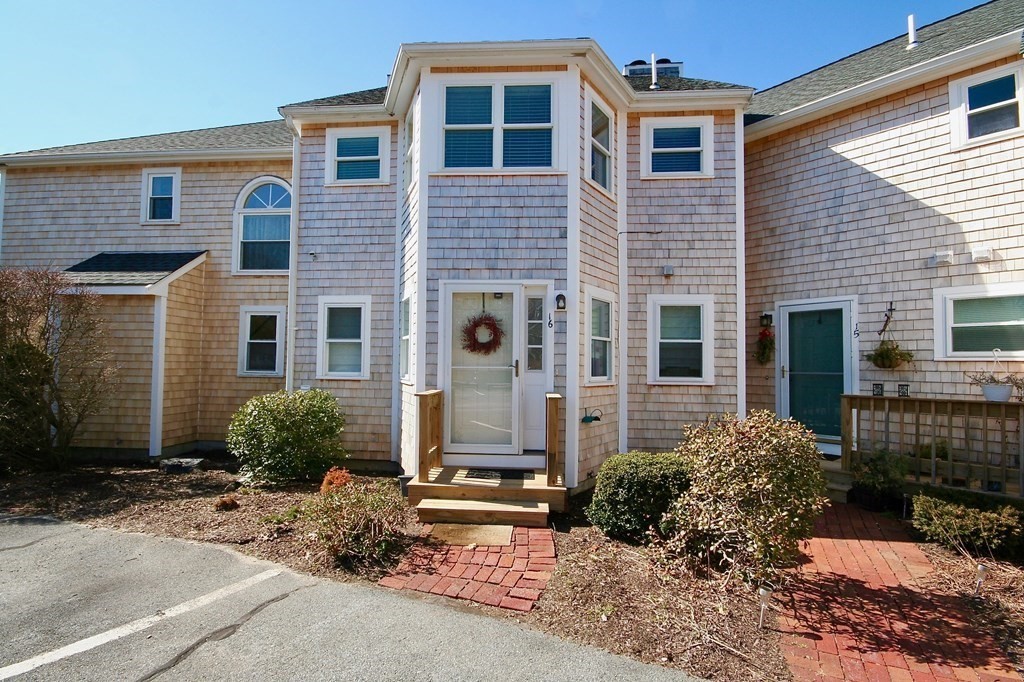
(741, 273)
(574, 290)
(293, 265)
(3, 192)
(396, 370)
(156, 395)
(623, 245)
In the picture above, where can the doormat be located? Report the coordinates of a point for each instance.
(500, 474)
(463, 534)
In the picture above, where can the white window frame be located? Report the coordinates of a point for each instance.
(147, 185)
(498, 111)
(592, 100)
(958, 107)
(942, 305)
(247, 311)
(592, 294)
(405, 337)
(706, 124)
(707, 318)
(323, 304)
(240, 211)
(382, 133)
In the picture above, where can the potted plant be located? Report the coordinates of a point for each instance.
(996, 388)
(889, 355)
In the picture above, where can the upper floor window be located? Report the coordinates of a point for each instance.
(263, 227)
(600, 127)
(678, 147)
(972, 321)
(161, 195)
(500, 126)
(358, 156)
(986, 105)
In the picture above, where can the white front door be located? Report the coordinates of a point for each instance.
(816, 366)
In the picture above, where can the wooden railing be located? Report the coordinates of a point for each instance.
(964, 443)
(430, 405)
(555, 461)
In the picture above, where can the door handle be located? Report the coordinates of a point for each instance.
(515, 366)
(783, 371)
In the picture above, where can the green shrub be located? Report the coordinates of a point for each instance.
(968, 529)
(359, 524)
(756, 488)
(634, 490)
(284, 436)
(878, 480)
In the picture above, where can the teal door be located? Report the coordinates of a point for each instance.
(815, 367)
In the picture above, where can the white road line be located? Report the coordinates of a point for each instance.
(133, 627)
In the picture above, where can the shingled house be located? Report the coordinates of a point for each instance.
(520, 256)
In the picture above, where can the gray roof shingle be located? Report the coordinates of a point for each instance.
(371, 96)
(134, 268)
(265, 135)
(970, 27)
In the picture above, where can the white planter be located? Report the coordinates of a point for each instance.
(997, 393)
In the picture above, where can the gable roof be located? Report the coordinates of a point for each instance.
(959, 31)
(267, 136)
(130, 268)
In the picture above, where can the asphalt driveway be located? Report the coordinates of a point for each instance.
(85, 604)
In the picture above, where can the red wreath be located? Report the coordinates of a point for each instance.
(471, 334)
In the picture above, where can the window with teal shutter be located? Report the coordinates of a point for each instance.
(358, 158)
(469, 129)
(526, 137)
(472, 126)
(676, 150)
(983, 324)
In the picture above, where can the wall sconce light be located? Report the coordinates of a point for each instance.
(766, 319)
(591, 416)
(560, 302)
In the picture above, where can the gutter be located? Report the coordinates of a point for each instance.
(91, 158)
(960, 60)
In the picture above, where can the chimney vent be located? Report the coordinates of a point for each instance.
(911, 33)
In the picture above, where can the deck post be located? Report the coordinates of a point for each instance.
(845, 431)
(430, 407)
(554, 462)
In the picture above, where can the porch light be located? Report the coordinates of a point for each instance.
(560, 302)
(766, 319)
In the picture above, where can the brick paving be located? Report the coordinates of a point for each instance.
(859, 612)
(509, 577)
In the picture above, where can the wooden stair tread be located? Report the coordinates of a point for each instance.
(512, 512)
(488, 505)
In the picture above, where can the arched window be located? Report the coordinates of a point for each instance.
(262, 226)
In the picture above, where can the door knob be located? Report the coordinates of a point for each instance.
(515, 366)
(783, 371)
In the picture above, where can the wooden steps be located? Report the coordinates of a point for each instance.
(515, 513)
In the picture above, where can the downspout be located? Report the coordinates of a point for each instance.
(741, 273)
(293, 258)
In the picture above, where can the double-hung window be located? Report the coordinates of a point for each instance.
(678, 147)
(498, 126)
(263, 227)
(599, 333)
(971, 322)
(986, 105)
(404, 336)
(161, 195)
(343, 343)
(260, 347)
(600, 146)
(679, 339)
(358, 156)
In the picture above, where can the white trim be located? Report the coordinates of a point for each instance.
(396, 294)
(560, 140)
(147, 175)
(156, 389)
(592, 99)
(592, 294)
(383, 135)
(293, 264)
(649, 124)
(3, 191)
(706, 303)
(570, 116)
(244, 313)
(942, 307)
(958, 113)
(240, 212)
(959, 60)
(429, 91)
(325, 302)
(180, 156)
(623, 246)
(741, 271)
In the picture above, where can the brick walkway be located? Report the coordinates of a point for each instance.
(510, 577)
(858, 612)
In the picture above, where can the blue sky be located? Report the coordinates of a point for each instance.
(77, 71)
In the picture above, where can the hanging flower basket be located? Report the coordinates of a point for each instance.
(997, 384)
(889, 355)
(482, 334)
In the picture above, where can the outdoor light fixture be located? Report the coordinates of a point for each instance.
(982, 572)
(764, 595)
(591, 416)
(766, 319)
(560, 302)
